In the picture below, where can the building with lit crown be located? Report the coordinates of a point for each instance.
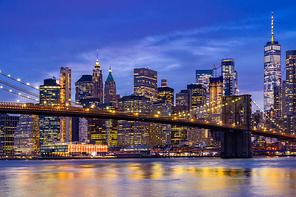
(110, 90)
(272, 70)
(97, 83)
(145, 83)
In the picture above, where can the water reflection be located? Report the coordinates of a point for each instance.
(146, 177)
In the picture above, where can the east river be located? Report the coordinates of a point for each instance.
(259, 176)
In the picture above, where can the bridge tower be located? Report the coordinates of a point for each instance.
(236, 110)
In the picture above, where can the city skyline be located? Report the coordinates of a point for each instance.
(172, 39)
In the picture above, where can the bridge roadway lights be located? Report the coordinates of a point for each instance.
(236, 144)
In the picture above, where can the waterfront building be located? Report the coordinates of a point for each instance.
(133, 133)
(83, 88)
(103, 131)
(65, 100)
(68, 149)
(26, 135)
(8, 124)
(198, 95)
(97, 83)
(110, 90)
(229, 77)
(272, 70)
(203, 77)
(160, 134)
(145, 83)
(49, 126)
(291, 82)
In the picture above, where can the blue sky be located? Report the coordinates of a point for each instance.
(175, 38)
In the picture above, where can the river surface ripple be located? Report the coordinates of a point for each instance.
(259, 176)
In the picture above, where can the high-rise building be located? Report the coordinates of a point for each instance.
(198, 95)
(183, 98)
(272, 70)
(65, 99)
(110, 90)
(49, 126)
(8, 125)
(145, 83)
(133, 133)
(26, 135)
(203, 77)
(97, 83)
(83, 88)
(291, 82)
(216, 93)
(229, 77)
(165, 95)
(277, 101)
(160, 134)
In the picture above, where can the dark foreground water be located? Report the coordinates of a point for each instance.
(150, 177)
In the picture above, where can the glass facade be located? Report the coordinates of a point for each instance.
(26, 136)
(203, 77)
(229, 77)
(272, 72)
(291, 82)
(49, 126)
(83, 88)
(133, 133)
(8, 126)
(145, 83)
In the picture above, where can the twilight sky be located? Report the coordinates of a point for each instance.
(175, 38)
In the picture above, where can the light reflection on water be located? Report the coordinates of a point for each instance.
(150, 177)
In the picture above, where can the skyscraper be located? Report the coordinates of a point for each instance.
(26, 135)
(183, 98)
(49, 126)
(145, 83)
(83, 88)
(229, 77)
(133, 133)
(165, 94)
(8, 124)
(291, 82)
(65, 99)
(198, 95)
(97, 83)
(203, 77)
(272, 70)
(110, 90)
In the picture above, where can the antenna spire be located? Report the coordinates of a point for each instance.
(97, 54)
(271, 27)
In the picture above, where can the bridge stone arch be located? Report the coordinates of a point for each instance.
(236, 110)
